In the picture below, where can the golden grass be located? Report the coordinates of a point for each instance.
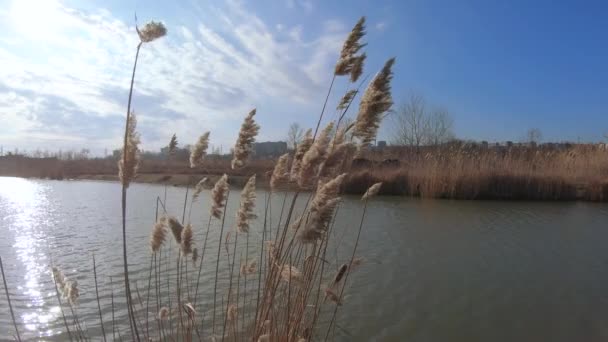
(465, 172)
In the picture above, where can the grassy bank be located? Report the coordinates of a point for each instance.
(577, 172)
(456, 171)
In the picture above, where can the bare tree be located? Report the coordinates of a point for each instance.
(410, 122)
(414, 125)
(439, 128)
(534, 135)
(294, 135)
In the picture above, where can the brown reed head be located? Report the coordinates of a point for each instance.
(172, 145)
(314, 157)
(187, 240)
(376, 100)
(218, 196)
(280, 174)
(129, 160)
(245, 212)
(372, 191)
(349, 62)
(151, 31)
(244, 143)
(159, 234)
(176, 228)
(199, 150)
(301, 149)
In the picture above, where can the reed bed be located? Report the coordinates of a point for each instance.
(461, 171)
(272, 283)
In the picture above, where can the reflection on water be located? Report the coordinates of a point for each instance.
(434, 270)
(25, 206)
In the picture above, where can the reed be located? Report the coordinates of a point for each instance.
(460, 171)
(281, 296)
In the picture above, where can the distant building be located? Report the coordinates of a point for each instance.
(381, 144)
(269, 149)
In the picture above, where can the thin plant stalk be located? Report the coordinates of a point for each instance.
(350, 264)
(103, 331)
(200, 266)
(217, 264)
(133, 324)
(112, 303)
(324, 105)
(8, 298)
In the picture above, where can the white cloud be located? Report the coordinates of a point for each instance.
(381, 26)
(70, 83)
(305, 5)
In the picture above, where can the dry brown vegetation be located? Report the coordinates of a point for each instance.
(462, 171)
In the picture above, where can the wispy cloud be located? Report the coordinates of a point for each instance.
(66, 79)
(381, 26)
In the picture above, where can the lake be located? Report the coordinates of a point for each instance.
(434, 270)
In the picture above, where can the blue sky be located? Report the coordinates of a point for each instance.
(499, 67)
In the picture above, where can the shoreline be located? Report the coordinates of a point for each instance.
(238, 181)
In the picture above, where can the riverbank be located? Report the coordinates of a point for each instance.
(465, 172)
(398, 183)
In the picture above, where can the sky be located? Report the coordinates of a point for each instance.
(498, 67)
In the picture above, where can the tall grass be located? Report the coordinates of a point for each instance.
(475, 172)
(285, 284)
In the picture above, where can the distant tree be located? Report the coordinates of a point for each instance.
(415, 125)
(294, 135)
(439, 127)
(534, 135)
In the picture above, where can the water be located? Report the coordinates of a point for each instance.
(433, 270)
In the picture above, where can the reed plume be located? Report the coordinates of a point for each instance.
(129, 160)
(176, 228)
(71, 291)
(163, 313)
(218, 196)
(302, 148)
(340, 274)
(291, 274)
(245, 212)
(334, 160)
(187, 239)
(199, 187)
(376, 101)
(372, 191)
(280, 174)
(322, 209)
(346, 99)
(59, 278)
(314, 157)
(243, 147)
(194, 256)
(329, 293)
(199, 150)
(159, 234)
(151, 31)
(349, 62)
(249, 268)
(232, 312)
(173, 145)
